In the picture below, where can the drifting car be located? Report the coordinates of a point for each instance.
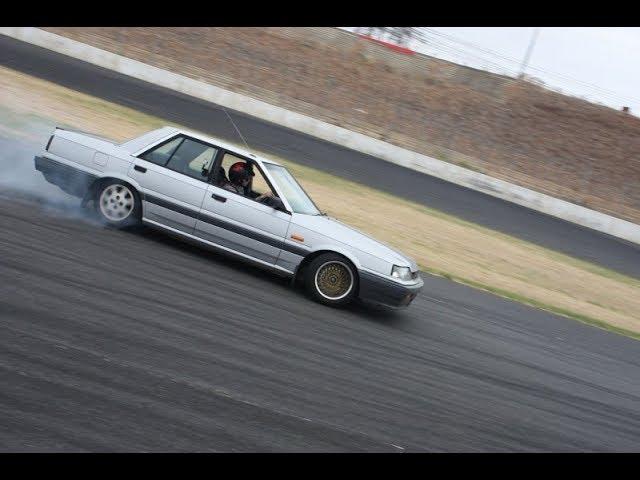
(178, 181)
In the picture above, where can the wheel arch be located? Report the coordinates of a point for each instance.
(91, 191)
(300, 269)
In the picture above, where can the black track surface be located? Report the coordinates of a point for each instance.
(468, 204)
(135, 341)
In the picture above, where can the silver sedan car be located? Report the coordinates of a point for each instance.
(231, 200)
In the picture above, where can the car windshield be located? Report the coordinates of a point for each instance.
(298, 199)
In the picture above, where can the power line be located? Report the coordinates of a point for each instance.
(603, 91)
(439, 45)
(452, 46)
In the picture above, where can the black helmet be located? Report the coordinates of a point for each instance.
(239, 171)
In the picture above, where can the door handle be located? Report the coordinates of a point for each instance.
(219, 198)
(140, 169)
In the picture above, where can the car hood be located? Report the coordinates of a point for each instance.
(336, 230)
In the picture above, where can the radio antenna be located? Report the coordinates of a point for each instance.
(236, 127)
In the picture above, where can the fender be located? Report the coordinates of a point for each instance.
(125, 178)
(332, 249)
(337, 249)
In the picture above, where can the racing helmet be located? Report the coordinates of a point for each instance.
(239, 171)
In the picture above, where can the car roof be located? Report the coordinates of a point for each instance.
(227, 146)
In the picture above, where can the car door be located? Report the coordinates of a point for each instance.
(241, 223)
(173, 177)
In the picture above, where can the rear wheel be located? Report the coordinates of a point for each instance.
(117, 203)
(331, 279)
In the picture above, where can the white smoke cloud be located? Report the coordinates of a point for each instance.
(19, 180)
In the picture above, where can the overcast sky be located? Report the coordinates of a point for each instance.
(602, 62)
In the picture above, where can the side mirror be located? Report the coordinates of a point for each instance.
(277, 204)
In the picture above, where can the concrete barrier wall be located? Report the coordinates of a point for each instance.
(331, 133)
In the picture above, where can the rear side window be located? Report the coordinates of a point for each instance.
(161, 154)
(193, 158)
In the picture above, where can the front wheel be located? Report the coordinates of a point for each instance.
(331, 279)
(117, 204)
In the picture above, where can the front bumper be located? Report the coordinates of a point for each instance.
(380, 290)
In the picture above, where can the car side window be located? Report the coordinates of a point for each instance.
(162, 153)
(259, 184)
(193, 158)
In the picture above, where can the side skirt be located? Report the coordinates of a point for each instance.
(259, 263)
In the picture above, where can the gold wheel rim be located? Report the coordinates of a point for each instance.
(334, 280)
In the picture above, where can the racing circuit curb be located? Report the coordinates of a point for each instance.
(331, 133)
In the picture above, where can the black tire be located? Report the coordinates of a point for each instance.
(117, 204)
(336, 274)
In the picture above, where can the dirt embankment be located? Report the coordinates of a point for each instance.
(517, 131)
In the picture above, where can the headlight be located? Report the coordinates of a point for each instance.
(403, 273)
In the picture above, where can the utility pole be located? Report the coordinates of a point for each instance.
(525, 61)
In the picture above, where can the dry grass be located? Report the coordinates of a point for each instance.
(439, 242)
(30, 105)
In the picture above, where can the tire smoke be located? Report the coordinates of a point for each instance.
(20, 180)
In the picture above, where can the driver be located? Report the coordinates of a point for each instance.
(240, 174)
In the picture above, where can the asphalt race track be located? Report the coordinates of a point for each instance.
(473, 206)
(135, 341)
